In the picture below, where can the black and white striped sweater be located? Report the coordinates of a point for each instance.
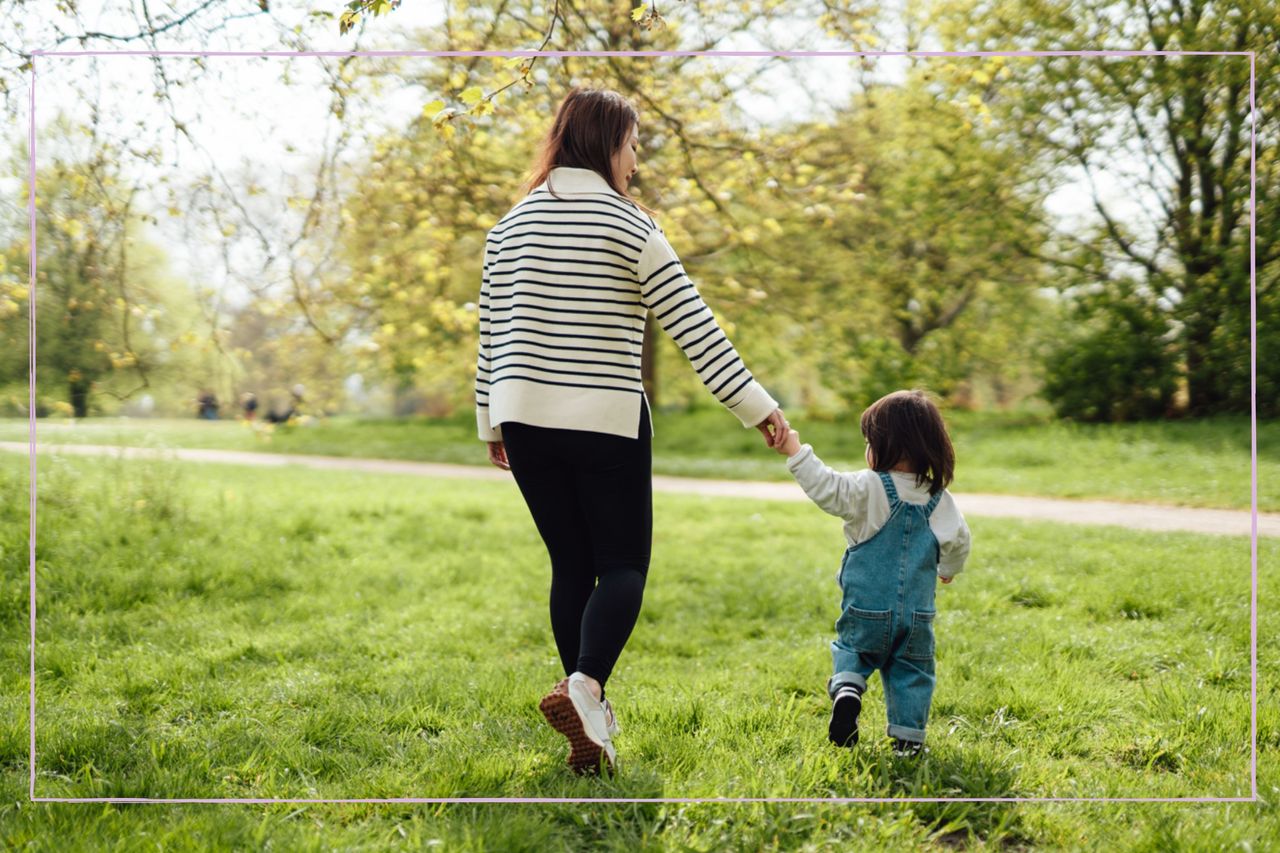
(567, 282)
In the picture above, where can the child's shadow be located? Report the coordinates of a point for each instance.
(942, 771)
(945, 771)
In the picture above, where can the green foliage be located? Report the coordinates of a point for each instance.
(900, 240)
(109, 317)
(889, 235)
(1118, 365)
(885, 367)
(1165, 143)
(270, 353)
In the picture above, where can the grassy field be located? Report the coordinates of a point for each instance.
(215, 631)
(1191, 463)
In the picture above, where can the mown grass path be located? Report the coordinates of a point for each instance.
(1129, 515)
(1200, 463)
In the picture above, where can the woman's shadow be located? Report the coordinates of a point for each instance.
(629, 782)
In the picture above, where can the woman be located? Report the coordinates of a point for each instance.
(569, 274)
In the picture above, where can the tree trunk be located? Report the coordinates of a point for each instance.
(79, 393)
(1204, 387)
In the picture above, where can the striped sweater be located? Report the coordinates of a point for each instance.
(566, 285)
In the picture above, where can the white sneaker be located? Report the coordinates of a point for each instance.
(612, 720)
(581, 717)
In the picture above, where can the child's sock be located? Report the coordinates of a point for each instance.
(845, 707)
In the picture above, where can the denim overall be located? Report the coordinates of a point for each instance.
(886, 622)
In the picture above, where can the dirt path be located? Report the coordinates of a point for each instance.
(1130, 515)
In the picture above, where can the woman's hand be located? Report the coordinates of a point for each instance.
(498, 455)
(774, 429)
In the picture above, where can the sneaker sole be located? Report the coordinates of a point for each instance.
(912, 753)
(585, 755)
(843, 728)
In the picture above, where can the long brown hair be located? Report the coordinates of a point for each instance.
(907, 426)
(589, 128)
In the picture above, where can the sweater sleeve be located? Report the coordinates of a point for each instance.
(954, 551)
(838, 493)
(483, 362)
(666, 290)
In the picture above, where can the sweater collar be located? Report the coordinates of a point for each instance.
(569, 179)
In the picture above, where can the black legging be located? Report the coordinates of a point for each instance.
(591, 497)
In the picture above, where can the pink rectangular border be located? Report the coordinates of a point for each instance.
(1253, 421)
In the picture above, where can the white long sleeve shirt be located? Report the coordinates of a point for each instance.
(568, 279)
(858, 497)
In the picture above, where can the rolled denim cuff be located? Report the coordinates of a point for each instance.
(840, 679)
(913, 735)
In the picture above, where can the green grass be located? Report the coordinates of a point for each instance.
(214, 631)
(1192, 463)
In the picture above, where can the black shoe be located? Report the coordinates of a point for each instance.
(907, 748)
(845, 707)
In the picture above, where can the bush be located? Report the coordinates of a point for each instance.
(1119, 368)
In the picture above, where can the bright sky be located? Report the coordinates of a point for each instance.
(252, 124)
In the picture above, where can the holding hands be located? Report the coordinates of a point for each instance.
(779, 435)
(774, 429)
(790, 444)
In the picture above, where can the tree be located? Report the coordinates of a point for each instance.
(104, 321)
(159, 160)
(1173, 134)
(413, 243)
(847, 243)
(27, 25)
(892, 234)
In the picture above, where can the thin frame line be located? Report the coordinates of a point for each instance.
(464, 800)
(1253, 423)
(31, 412)
(799, 54)
(1253, 468)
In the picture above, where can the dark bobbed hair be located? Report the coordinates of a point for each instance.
(589, 128)
(906, 426)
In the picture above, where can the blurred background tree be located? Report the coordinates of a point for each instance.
(110, 317)
(901, 221)
(1173, 135)
(905, 234)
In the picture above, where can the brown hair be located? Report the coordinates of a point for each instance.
(906, 426)
(589, 128)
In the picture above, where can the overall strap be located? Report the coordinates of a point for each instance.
(889, 490)
(932, 504)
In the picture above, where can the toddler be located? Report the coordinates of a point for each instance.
(904, 531)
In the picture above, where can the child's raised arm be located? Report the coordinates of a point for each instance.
(841, 494)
